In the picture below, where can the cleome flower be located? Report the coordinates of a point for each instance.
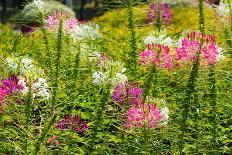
(28, 71)
(144, 115)
(76, 29)
(127, 93)
(8, 87)
(165, 13)
(193, 42)
(72, 122)
(110, 73)
(159, 57)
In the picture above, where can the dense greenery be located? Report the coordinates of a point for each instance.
(69, 65)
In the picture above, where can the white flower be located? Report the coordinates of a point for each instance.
(223, 9)
(149, 40)
(39, 4)
(27, 63)
(40, 88)
(98, 77)
(120, 78)
(12, 65)
(220, 56)
(167, 41)
(24, 85)
(160, 39)
(44, 93)
(164, 112)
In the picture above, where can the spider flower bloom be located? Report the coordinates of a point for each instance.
(127, 93)
(11, 85)
(210, 54)
(146, 115)
(52, 22)
(164, 12)
(187, 51)
(197, 41)
(74, 122)
(147, 56)
(161, 57)
(71, 23)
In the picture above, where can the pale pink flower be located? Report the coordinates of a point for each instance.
(145, 115)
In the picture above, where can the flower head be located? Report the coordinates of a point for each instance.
(11, 85)
(145, 115)
(127, 93)
(164, 10)
(72, 122)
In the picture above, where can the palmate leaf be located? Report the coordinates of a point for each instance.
(30, 12)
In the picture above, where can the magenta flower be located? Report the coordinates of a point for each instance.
(74, 122)
(52, 22)
(127, 93)
(164, 12)
(210, 54)
(161, 57)
(187, 51)
(11, 85)
(144, 115)
(71, 23)
(147, 56)
(195, 41)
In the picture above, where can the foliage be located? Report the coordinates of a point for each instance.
(91, 100)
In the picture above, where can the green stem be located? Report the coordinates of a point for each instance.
(213, 99)
(133, 38)
(28, 114)
(148, 84)
(44, 134)
(191, 86)
(158, 20)
(57, 63)
(45, 40)
(99, 115)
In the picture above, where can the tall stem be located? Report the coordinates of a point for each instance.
(28, 114)
(133, 39)
(191, 85)
(57, 64)
(45, 40)
(99, 115)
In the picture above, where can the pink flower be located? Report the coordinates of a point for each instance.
(147, 56)
(11, 85)
(161, 57)
(52, 22)
(143, 115)
(164, 12)
(71, 23)
(72, 122)
(195, 41)
(187, 51)
(127, 93)
(210, 54)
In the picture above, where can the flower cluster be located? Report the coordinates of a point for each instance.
(197, 42)
(9, 86)
(111, 72)
(127, 93)
(72, 122)
(76, 29)
(165, 13)
(28, 71)
(160, 57)
(145, 115)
